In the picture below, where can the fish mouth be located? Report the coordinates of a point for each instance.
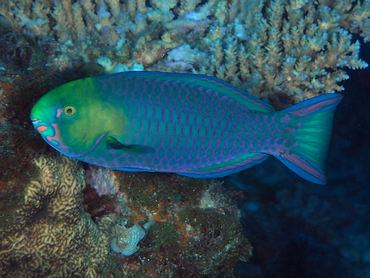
(39, 125)
(35, 121)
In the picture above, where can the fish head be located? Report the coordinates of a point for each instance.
(68, 118)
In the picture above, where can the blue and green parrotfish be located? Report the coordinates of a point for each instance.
(192, 125)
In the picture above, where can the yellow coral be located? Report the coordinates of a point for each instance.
(51, 235)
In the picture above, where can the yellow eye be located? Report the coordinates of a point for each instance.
(69, 111)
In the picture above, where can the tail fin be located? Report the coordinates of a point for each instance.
(315, 118)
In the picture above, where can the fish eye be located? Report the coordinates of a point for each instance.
(69, 111)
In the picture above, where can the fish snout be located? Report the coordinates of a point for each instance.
(39, 125)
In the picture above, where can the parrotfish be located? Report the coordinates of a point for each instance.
(192, 125)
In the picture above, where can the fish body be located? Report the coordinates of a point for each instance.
(193, 125)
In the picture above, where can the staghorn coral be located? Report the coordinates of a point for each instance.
(50, 234)
(292, 50)
(281, 50)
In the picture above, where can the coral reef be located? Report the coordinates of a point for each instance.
(51, 234)
(282, 51)
(278, 50)
(45, 230)
(196, 231)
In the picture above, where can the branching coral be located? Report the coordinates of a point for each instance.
(51, 234)
(90, 28)
(290, 49)
(302, 54)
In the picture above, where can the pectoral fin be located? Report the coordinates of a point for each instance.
(113, 143)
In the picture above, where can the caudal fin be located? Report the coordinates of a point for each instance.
(312, 138)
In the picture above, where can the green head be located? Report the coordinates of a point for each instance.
(73, 118)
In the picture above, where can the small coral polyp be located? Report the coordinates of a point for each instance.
(125, 240)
